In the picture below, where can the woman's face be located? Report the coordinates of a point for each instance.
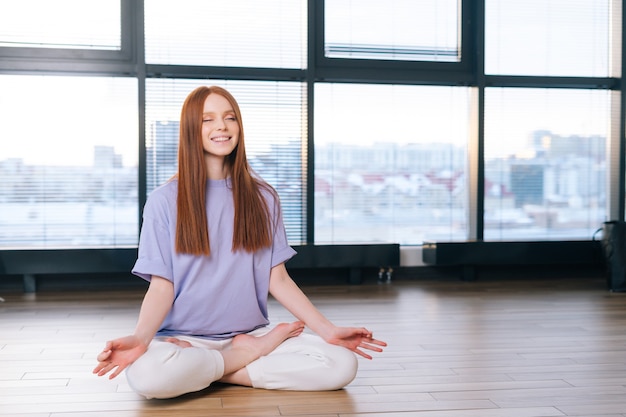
(220, 128)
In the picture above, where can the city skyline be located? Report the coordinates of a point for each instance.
(423, 193)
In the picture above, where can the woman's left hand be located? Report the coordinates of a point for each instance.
(355, 339)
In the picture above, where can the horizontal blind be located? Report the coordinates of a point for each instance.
(402, 30)
(242, 33)
(274, 121)
(68, 24)
(545, 163)
(552, 38)
(68, 162)
(390, 163)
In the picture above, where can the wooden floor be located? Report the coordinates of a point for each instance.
(508, 348)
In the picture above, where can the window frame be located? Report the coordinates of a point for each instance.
(398, 71)
(76, 60)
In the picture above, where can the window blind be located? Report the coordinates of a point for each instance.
(245, 33)
(68, 24)
(402, 30)
(275, 134)
(551, 38)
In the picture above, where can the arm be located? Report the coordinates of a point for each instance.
(120, 353)
(293, 299)
(156, 304)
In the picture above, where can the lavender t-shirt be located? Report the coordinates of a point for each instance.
(216, 296)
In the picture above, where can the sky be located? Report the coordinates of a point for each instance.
(59, 121)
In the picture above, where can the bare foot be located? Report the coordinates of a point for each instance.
(178, 342)
(262, 345)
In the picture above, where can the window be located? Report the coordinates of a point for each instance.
(390, 163)
(275, 135)
(545, 163)
(550, 37)
(70, 24)
(251, 33)
(68, 161)
(403, 30)
(391, 87)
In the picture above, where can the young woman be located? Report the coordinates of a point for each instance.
(213, 246)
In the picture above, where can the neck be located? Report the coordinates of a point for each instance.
(216, 168)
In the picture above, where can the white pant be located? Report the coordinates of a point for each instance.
(302, 363)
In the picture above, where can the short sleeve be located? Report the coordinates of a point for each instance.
(281, 251)
(155, 248)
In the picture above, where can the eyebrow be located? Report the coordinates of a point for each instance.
(212, 112)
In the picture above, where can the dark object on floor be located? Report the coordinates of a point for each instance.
(614, 249)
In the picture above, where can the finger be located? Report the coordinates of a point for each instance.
(99, 371)
(105, 370)
(375, 342)
(101, 365)
(117, 371)
(365, 333)
(98, 368)
(371, 347)
(361, 353)
(108, 346)
(104, 355)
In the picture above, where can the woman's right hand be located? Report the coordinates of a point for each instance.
(118, 354)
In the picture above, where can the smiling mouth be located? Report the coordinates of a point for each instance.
(221, 139)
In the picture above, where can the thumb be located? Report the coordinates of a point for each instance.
(104, 355)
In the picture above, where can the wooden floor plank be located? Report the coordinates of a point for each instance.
(499, 348)
(518, 412)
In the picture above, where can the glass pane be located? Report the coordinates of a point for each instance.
(407, 30)
(68, 161)
(390, 163)
(275, 134)
(73, 24)
(270, 33)
(545, 163)
(548, 37)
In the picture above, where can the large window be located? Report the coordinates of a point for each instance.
(402, 30)
(67, 24)
(390, 163)
(245, 33)
(68, 161)
(375, 121)
(545, 163)
(551, 37)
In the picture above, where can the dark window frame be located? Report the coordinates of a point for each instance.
(77, 60)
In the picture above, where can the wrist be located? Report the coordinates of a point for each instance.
(327, 332)
(144, 339)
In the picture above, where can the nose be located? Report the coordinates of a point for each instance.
(220, 124)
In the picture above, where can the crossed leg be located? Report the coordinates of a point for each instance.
(245, 349)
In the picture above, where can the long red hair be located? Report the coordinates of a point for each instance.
(252, 222)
